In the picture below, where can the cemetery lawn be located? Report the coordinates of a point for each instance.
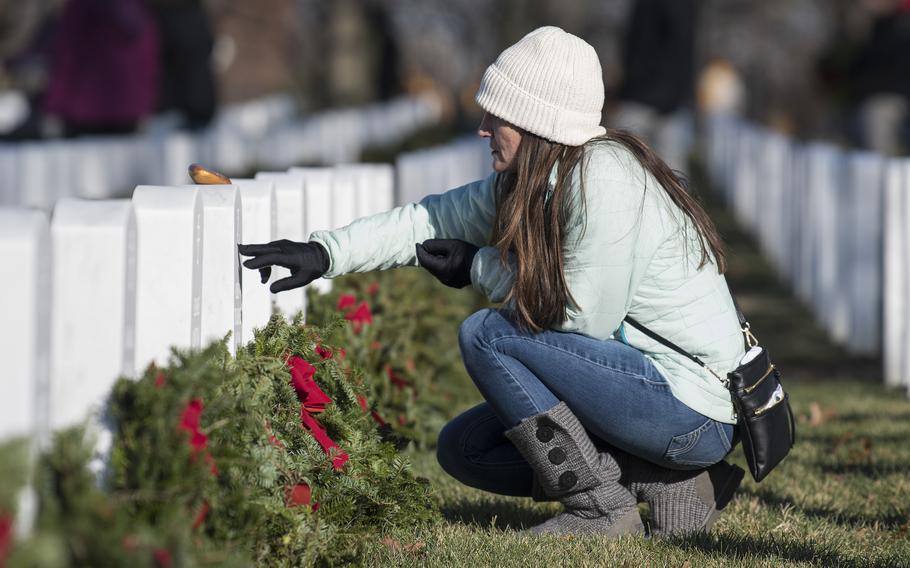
(842, 497)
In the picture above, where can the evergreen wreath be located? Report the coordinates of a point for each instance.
(221, 460)
(402, 333)
(279, 455)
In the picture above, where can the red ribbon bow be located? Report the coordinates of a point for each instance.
(346, 301)
(365, 407)
(201, 514)
(312, 399)
(301, 494)
(396, 379)
(324, 352)
(308, 392)
(163, 558)
(6, 537)
(189, 422)
(360, 317)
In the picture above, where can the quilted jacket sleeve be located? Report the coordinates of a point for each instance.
(387, 240)
(489, 276)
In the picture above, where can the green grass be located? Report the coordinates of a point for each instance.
(842, 497)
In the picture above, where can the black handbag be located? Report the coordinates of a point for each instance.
(765, 421)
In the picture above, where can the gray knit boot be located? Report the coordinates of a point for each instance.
(682, 502)
(569, 468)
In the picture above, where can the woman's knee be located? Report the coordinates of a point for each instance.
(465, 437)
(478, 328)
(472, 449)
(450, 448)
(471, 330)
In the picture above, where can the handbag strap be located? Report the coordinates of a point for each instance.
(667, 343)
(660, 339)
(748, 338)
(739, 313)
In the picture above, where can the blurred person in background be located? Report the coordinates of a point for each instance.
(720, 89)
(387, 72)
(26, 37)
(879, 79)
(103, 76)
(27, 70)
(577, 229)
(658, 62)
(186, 40)
(26, 33)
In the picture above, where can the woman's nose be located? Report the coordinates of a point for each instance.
(484, 129)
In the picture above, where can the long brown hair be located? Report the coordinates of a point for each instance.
(531, 222)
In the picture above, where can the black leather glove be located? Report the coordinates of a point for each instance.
(306, 261)
(449, 260)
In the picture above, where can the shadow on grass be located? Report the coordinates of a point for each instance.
(837, 439)
(890, 520)
(874, 469)
(860, 417)
(513, 514)
(772, 548)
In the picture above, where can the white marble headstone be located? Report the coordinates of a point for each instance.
(139, 166)
(771, 225)
(344, 197)
(94, 300)
(34, 177)
(177, 150)
(864, 229)
(794, 195)
(375, 187)
(25, 334)
(318, 200)
(897, 280)
(257, 199)
(745, 190)
(224, 148)
(9, 180)
(805, 282)
(169, 231)
(220, 299)
(405, 178)
(824, 182)
(289, 224)
(92, 172)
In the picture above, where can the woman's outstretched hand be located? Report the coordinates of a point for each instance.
(306, 261)
(449, 260)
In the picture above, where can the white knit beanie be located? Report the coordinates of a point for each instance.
(549, 83)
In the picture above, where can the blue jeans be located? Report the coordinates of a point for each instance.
(616, 393)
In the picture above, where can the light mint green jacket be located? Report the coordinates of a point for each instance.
(637, 254)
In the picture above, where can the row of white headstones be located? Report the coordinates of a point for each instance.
(106, 287)
(268, 133)
(834, 224)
